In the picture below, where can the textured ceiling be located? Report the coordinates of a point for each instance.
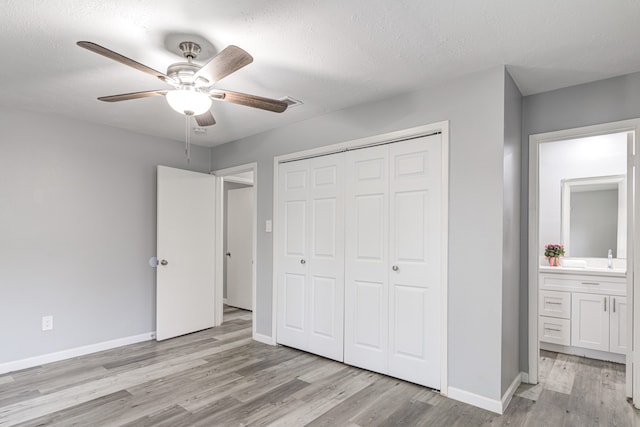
(330, 54)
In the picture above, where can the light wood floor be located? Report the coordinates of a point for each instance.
(220, 377)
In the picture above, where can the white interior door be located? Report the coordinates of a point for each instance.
(239, 247)
(367, 259)
(185, 248)
(415, 240)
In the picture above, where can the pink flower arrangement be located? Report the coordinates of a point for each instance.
(553, 251)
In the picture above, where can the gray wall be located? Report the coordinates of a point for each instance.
(77, 227)
(474, 105)
(511, 236)
(603, 101)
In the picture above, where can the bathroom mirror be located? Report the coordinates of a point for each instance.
(594, 216)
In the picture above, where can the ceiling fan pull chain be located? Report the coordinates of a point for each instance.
(187, 148)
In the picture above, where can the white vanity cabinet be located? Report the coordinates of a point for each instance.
(554, 322)
(581, 311)
(618, 325)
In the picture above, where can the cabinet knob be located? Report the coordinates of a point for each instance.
(395, 268)
(302, 261)
(164, 262)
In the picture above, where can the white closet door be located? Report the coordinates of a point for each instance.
(311, 255)
(367, 259)
(292, 254)
(326, 256)
(415, 199)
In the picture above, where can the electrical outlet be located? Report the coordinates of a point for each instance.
(47, 323)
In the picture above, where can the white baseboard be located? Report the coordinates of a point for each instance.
(265, 339)
(525, 377)
(508, 395)
(30, 362)
(464, 396)
(497, 406)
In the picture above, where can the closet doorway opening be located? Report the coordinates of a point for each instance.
(581, 202)
(236, 221)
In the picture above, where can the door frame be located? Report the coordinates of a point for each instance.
(223, 175)
(632, 383)
(386, 138)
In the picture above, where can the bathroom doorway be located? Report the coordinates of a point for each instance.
(579, 200)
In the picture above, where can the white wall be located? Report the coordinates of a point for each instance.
(77, 227)
(475, 107)
(576, 158)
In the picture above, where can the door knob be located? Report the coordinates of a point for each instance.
(395, 268)
(164, 262)
(228, 254)
(302, 261)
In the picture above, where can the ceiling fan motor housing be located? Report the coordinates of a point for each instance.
(184, 72)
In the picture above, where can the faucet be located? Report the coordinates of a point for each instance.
(610, 259)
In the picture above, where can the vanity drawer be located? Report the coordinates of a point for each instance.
(555, 304)
(584, 283)
(554, 330)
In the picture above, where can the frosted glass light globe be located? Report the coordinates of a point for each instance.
(188, 102)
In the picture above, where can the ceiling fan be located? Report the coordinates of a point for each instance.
(192, 84)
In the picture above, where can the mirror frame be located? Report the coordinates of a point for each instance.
(595, 183)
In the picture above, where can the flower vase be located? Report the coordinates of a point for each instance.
(554, 261)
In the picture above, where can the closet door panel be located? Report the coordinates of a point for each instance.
(292, 316)
(294, 297)
(415, 260)
(326, 256)
(366, 246)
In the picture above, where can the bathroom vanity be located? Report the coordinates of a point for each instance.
(583, 311)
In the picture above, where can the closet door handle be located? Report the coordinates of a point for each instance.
(395, 268)
(302, 261)
(605, 303)
(614, 305)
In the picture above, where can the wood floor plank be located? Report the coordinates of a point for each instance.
(562, 375)
(386, 403)
(246, 412)
(323, 395)
(408, 413)
(545, 365)
(221, 377)
(551, 409)
(354, 405)
(516, 414)
(75, 414)
(170, 417)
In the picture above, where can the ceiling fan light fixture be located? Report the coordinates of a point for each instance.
(188, 102)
